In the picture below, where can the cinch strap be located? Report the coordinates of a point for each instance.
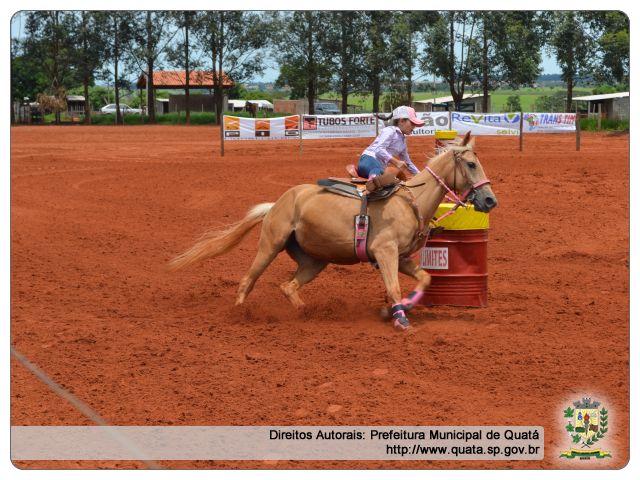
(362, 229)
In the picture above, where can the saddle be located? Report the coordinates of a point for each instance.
(376, 189)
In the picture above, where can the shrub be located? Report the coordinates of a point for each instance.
(110, 119)
(603, 89)
(591, 124)
(393, 99)
(513, 103)
(552, 103)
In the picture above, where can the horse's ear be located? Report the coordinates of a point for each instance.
(472, 143)
(466, 138)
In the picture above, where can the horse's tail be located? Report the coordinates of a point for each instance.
(217, 242)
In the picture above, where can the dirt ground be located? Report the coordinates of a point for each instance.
(96, 212)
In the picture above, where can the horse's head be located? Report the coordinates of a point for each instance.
(468, 176)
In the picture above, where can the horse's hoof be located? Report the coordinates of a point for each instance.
(400, 320)
(400, 325)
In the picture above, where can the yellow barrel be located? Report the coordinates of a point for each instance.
(464, 218)
(444, 138)
(456, 259)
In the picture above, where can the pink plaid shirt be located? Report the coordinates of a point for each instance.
(390, 143)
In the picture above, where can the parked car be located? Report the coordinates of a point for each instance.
(124, 109)
(326, 109)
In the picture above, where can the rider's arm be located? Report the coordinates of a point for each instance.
(404, 156)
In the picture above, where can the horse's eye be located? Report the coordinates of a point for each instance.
(471, 165)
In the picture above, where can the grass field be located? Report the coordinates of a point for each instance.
(528, 97)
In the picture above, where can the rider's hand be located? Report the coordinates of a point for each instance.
(397, 163)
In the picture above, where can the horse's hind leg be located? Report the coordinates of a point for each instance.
(266, 254)
(272, 241)
(308, 269)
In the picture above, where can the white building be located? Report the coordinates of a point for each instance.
(614, 106)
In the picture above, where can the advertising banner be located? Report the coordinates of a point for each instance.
(364, 125)
(432, 121)
(486, 123)
(549, 122)
(280, 128)
(338, 126)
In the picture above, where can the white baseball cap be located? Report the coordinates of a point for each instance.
(409, 113)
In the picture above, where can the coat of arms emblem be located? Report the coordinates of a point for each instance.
(587, 424)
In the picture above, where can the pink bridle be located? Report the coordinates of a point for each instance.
(460, 201)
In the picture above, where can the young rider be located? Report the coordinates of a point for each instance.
(388, 152)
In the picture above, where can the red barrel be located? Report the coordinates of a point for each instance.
(456, 258)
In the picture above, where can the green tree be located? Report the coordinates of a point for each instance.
(377, 56)
(235, 43)
(347, 40)
(89, 42)
(612, 30)
(450, 45)
(48, 41)
(149, 43)
(573, 45)
(513, 103)
(403, 53)
(519, 47)
(182, 53)
(507, 50)
(256, 95)
(118, 33)
(28, 77)
(551, 103)
(301, 47)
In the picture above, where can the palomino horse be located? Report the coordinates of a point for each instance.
(316, 228)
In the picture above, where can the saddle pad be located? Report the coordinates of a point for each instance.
(341, 188)
(349, 190)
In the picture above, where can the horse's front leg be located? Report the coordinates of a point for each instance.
(387, 258)
(410, 268)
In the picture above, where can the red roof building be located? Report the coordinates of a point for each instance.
(178, 79)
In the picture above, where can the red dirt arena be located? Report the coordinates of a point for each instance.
(97, 212)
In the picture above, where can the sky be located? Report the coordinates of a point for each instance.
(549, 65)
